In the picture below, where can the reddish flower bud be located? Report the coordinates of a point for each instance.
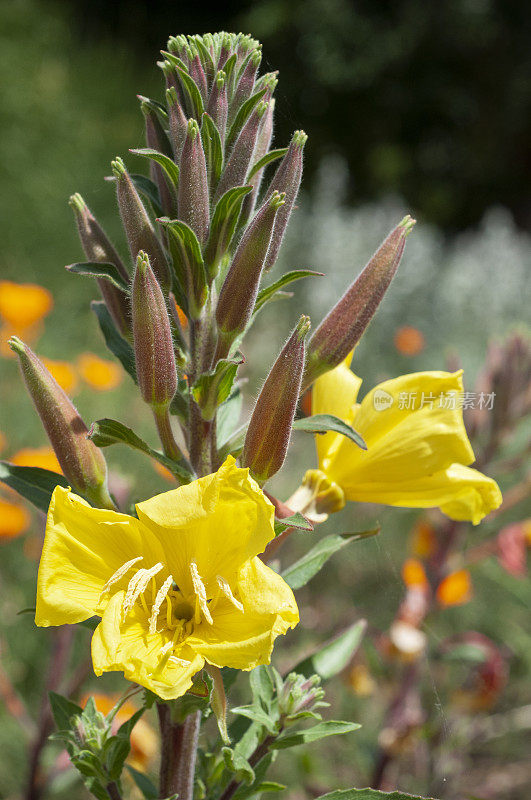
(263, 142)
(245, 86)
(82, 462)
(269, 430)
(193, 184)
(239, 161)
(97, 247)
(239, 290)
(138, 226)
(218, 104)
(156, 139)
(344, 325)
(154, 355)
(197, 73)
(177, 121)
(286, 179)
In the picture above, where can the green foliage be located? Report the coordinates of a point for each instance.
(32, 483)
(96, 269)
(298, 574)
(334, 656)
(269, 292)
(369, 794)
(213, 388)
(322, 423)
(113, 339)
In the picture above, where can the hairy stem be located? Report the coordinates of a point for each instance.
(167, 439)
(178, 753)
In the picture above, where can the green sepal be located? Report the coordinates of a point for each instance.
(213, 147)
(314, 734)
(266, 294)
(244, 112)
(333, 657)
(223, 226)
(32, 483)
(323, 423)
(187, 262)
(273, 155)
(116, 343)
(212, 388)
(303, 570)
(106, 432)
(96, 269)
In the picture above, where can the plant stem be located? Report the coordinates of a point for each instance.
(113, 791)
(178, 753)
(256, 756)
(169, 445)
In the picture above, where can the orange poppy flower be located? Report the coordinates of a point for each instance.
(455, 589)
(413, 574)
(64, 373)
(423, 541)
(163, 471)
(22, 305)
(43, 457)
(100, 374)
(14, 519)
(409, 341)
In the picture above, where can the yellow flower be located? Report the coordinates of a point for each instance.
(178, 586)
(417, 452)
(100, 374)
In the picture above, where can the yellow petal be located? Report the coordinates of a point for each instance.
(403, 444)
(83, 547)
(217, 522)
(335, 393)
(243, 640)
(460, 492)
(128, 647)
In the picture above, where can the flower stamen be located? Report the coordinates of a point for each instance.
(137, 585)
(225, 588)
(201, 603)
(159, 599)
(123, 570)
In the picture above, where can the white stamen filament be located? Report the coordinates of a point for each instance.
(159, 599)
(123, 570)
(225, 588)
(201, 605)
(137, 585)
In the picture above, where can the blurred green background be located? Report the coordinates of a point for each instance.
(410, 107)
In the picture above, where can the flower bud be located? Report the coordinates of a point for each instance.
(82, 462)
(193, 184)
(97, 247)
(344, 325)
(155, 359)
(177, 121)
(138, 227)
(245, 86)
(286, 179)
(300, 695)
(156, 139)
(263, 142)
(239, 161)
(239, 290)
(269, 430)
(218, 104)
(197, 73)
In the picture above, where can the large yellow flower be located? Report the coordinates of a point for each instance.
(176, 587)
(417, 452)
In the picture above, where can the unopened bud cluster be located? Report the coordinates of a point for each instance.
(300, 696)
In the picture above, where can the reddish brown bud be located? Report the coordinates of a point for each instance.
(344, 325)
(193, 184)
(82, 462)
(269, 430)
(218, 105)
(97, 247)
(156, 139)
(239, 161)
(154, 354)
(177, 121)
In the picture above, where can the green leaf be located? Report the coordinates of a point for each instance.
(95, 269)
(262, 685)
(229, 416)
(171, 170)
(303, 570)
(213, 388)
(260, 770)
(187, 262)
(63, 710)
(116, 343)
(244, 112)
(33, 483)
(213, 148)
(266, 294)
(332, 659)
(191, 91)
(120, 746)
(296, 520)
(148, 789)
(369, 794)
(106, 432)
(273, 155)
(149, 190)
(320, 731)
(258, 715)
(236, 763)
(322, 423)
(223, 225)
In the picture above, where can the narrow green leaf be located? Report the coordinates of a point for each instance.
(266, 294)
(322, 423)
(369, 794)
(106, 432)
(297, 520)
(303, 570)
(187, 262)
(213, 148)
(169, 166)
(244, 112)
(223, 225)
(320, 731)
(32, 483)
(116, 343)
(191, 91)
(273, 155)
(213, 388)
(95, 269)
(149, 190)
(332, 659)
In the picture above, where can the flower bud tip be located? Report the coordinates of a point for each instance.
(193, 129)
(17, 345)
(76, 203)
(303, 326)
(118, 167)
(408, 223)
